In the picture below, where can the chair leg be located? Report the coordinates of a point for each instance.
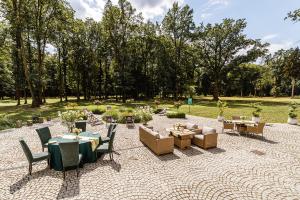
(30, 168)
(77, 170)
(43, 149)
(64, 174)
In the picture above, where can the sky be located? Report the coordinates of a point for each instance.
(265, 18)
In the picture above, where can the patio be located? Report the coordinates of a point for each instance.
(240, 168)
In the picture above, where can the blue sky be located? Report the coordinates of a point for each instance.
(265, 17)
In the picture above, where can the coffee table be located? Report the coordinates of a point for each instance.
(182, 138)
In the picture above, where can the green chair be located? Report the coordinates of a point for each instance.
(33, 158)
(45, 136)
(81, 125)
(109, 132)
(107, 147)
(70, 155)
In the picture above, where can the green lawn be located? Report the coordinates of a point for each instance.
(274, 109)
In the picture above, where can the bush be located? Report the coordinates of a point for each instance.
(113, 113)
(98, 111)
(176, 115)
(292, 110)
(6, 123)
(158, 110)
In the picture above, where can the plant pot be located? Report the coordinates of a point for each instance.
(292, 121)
(220, 118)
(256, 119)
(41, 120)
(19, 124)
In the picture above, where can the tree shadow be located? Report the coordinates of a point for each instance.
(216, 150)
(191, 151)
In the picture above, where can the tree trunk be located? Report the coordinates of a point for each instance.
(293, 88)
(216, 91)
(25, 96)
(60, 77)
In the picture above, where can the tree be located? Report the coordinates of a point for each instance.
(178, 26)
(292, 67)
(222, 47)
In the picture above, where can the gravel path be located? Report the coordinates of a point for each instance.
(240, 168)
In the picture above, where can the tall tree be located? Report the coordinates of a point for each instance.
(178, 26)
(224, 46)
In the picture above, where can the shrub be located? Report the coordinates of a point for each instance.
(176, 115)
(292, 110)
(113, 113)
(145, 115)
(257, 109)
(98, 111)
(222, 106)
(6, 123)
(158, 110)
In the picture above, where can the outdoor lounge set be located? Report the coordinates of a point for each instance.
(181, 136)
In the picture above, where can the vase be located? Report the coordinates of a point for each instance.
(292, 121)
(256, 119)
(220, 118)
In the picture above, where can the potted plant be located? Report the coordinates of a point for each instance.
(256, 112)
(221, 106)
(292, 119)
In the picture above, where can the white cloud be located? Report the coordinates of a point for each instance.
(148, 8)
(269, 37)
(212, 6)
(281, 45)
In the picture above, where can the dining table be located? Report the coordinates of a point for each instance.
(88, 143)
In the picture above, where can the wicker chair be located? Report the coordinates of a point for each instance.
(227, 125)
(257, 129)
(236, 117)
(130, 121)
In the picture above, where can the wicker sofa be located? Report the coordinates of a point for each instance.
(208, 138)
(157, 143)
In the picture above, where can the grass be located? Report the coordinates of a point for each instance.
(274, 109)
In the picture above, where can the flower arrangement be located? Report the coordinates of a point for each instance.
(69, 117)
(77, 131)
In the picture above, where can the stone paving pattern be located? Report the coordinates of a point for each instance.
(231, 171)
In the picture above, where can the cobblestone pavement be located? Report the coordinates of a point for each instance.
(240, 168)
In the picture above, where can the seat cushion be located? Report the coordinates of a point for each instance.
(208, 130)
(80, 158)
(105, 139)
(40, 156)
(199, 136)
(103, 148)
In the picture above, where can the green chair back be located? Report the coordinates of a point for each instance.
(111, 141)
(26, 150)
(81, 125)
(44, 134)
(69, 153)
(111, 127)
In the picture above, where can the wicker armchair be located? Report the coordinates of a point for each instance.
(227, 125)
(257, 129)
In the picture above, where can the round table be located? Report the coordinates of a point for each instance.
(85, 148)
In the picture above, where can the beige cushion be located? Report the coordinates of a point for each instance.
(200, 136)
(155, 134)
(191, 126)
(208, 130)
